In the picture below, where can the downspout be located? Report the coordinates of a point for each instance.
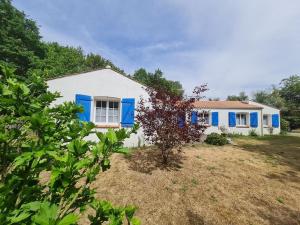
(261, 122)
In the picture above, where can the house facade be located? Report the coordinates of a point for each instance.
(110, 99)
(238, 117)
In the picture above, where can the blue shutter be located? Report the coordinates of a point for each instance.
(254, 119)
(194, 118)
(215, 119)
(181, 121)
(127, 112)
(84, 101)
(231, 119)
(275, 120)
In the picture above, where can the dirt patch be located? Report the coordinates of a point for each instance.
(208, 185)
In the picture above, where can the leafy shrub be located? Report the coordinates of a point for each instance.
(167, 121)
(284, 125)
(253, 133)
(35, 139)
(216, 139)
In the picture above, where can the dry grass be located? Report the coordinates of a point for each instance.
(255, 182)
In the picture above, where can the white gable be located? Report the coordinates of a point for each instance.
(104, 83)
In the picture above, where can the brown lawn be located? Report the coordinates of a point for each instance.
(257, 181)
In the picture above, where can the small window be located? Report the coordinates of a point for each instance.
(241, 119)
(266, 120)
(107, 111)
(204, 118)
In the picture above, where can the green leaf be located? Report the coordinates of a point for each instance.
(46, 215)
(111, 135)
(135, 221)
(123, 150)
(55, 173)
(22, 216)
(69, 219)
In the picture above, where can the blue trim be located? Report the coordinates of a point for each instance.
(231, 119)
(194, 117)
(275, 120)
(128, 109)
(215, 119)
(84, 101)
(254, 119)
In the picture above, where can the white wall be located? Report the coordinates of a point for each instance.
(100, 83)
(223, 121)
(269, 111)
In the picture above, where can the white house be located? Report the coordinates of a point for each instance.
(238, 117)
(109, 100)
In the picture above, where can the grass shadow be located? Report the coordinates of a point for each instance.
(195, 219)
(283, 150)
(146, 160)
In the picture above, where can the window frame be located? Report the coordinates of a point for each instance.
(107, 100)
(209, 118)
(247, 119)
(269, 120)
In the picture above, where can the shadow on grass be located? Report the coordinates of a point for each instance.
(283, 150)
(149, 159)
(277, 215)
(195, 219)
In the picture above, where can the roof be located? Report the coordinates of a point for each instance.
(225, 105)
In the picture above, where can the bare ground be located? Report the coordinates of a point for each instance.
(253, 182)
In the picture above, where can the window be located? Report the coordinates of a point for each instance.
(204, 118)
(266, 120)
(107, 111)
(241, 119)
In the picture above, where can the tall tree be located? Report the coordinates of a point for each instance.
(21, 47)
(20, 42)
(241, 97)
(61, 60)
(157, 81)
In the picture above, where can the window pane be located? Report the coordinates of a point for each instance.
(238, 121)
(265, 120)
(243, 119)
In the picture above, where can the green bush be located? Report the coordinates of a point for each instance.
(37, 139)
(216, 139)
(284, 125)
(253, 133)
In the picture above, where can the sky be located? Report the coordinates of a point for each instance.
(232, 45)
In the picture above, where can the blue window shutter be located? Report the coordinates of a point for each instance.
(194, 118)
(275, 120)
(231, 119)
(181, 121)
(215, 119)
(84, 101)
(127, 112)
(254, 119)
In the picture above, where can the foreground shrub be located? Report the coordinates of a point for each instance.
(37, 139)
(216, 139)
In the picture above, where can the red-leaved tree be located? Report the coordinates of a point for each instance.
(166, 119)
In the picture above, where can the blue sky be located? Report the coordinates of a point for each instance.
(232, 45)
